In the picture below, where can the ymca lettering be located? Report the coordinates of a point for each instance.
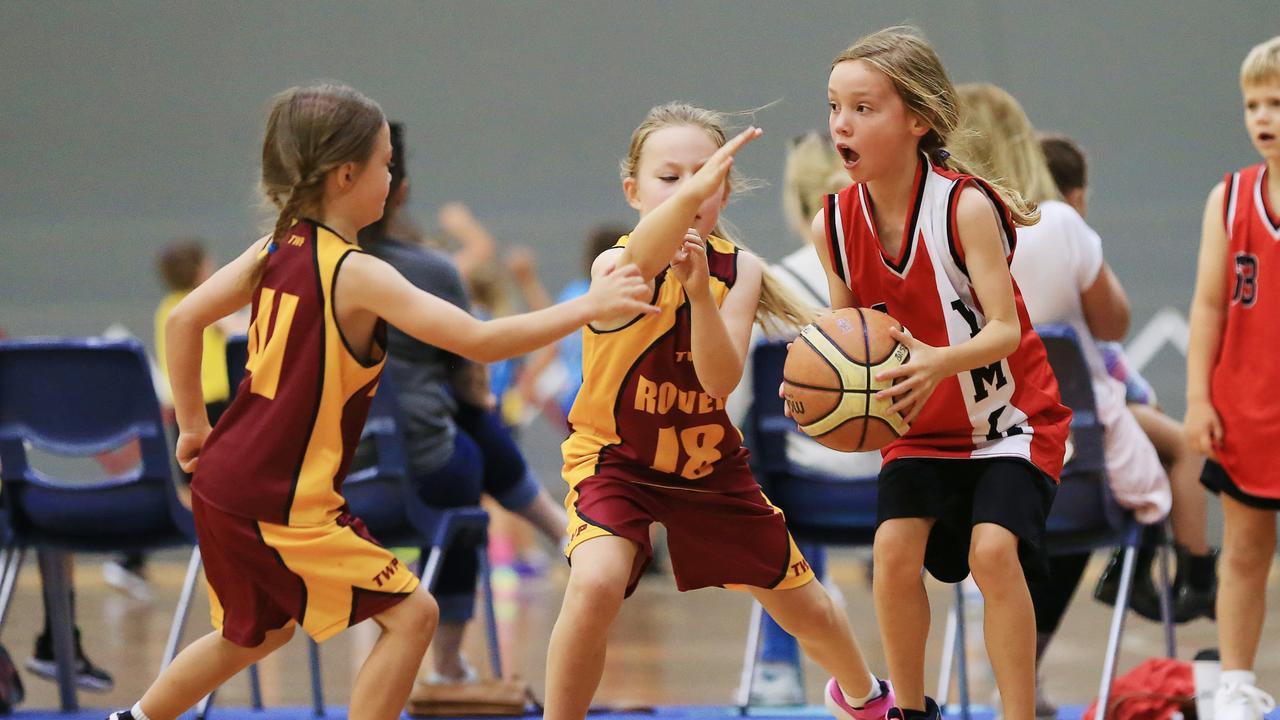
(982, 377)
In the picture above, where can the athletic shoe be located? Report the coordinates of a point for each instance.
(1241, 701)
(875, 710)
(777, 684)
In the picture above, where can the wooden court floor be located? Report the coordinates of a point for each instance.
(666, 648)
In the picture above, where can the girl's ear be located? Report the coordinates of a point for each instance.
(919, 127)
(345, 175)
(629, 190)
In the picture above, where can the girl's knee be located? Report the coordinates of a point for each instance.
(993, 558)
(1248, 559)
(600, 587)
(418, 613)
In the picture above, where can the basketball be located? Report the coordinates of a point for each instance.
(829, 380)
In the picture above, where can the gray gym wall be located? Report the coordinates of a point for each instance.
(127, 123)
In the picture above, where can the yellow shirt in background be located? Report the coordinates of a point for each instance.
(213, 364)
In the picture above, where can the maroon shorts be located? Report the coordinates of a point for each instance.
(734, 538)
(263, 576)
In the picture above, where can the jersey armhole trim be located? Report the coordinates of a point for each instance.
(953, 232)
(1229, 201)
(657, 287)
(833, 237)
(333, 309)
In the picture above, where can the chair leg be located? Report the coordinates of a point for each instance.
(490, 615)
(949, 635)
(1117, 629)
(431, 568)
(962, 653)
(255, 688)
(317, 682)
(750, 657)
(13, 566)
(1167, 551)
(57, 589)
(184, 608)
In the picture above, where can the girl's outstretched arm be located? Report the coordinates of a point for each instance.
(369, 284)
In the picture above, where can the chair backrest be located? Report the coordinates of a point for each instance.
(820, 507)
(1085, 515)
(237, 354)
(378, 491)
(80, 397)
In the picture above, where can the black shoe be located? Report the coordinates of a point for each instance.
(1196, 589)
(88, 676)
(931, 712)
(1144, 598)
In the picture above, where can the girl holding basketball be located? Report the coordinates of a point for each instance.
(651, 441)
(969, 485)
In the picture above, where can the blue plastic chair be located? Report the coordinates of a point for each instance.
(1085, 515)
(820, 508)
(78, 397)
(383, 497)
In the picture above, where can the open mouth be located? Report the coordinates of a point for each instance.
(1266, 136)
(847, 154)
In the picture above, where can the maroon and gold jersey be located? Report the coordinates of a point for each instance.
(281, 450)
(642, 406)
(1245, 371)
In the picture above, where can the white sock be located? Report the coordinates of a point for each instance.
(857, 703)
(136, 712)
(1237, 677)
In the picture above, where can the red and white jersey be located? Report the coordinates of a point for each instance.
(1245, 371)
(1010, 408)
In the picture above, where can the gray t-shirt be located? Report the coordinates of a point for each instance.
(420, 372)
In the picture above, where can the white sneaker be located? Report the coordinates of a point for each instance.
(776, 684)
(126, 581)
(1241, 701)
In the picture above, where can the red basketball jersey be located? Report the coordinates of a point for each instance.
(1010, 408)
(1245, 372)
(281, 450)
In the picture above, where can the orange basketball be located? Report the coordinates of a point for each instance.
(829, 380)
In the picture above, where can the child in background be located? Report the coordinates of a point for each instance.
(1231, 380)
(1195, 584)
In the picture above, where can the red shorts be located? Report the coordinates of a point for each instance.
(263, 576)
(734, 538)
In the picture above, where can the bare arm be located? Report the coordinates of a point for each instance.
(374, 286)
(841, 295)
(1208, 313)
(222, 294)
(993, 288)
(1106, 306)
(721, 335)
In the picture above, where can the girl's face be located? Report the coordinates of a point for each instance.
(371, 181)
(871, 127)
(670, 156)
(1262, 118)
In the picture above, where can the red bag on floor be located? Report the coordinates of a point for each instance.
(1154, 690)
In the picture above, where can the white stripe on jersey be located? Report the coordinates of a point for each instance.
(953, 285)
(1232, 193)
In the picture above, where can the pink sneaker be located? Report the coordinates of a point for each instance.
(874, 710)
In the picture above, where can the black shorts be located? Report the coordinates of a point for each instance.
(1215, 478)
(1008, 492)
